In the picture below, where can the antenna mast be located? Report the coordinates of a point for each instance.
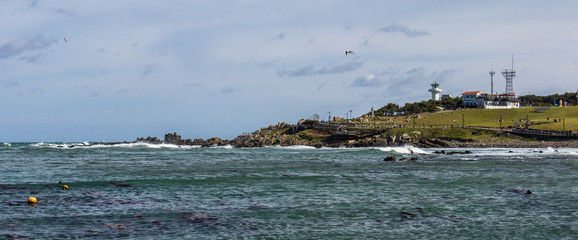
(509, 75)
(492, 81)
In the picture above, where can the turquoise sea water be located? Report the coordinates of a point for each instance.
(140, 191)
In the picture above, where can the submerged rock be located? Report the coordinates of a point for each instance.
(389, 159)
(453, 152)
(407, 215)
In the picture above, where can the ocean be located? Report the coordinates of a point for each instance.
(146, 191)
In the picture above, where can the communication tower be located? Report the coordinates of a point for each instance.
(509, 75)
(492, 81)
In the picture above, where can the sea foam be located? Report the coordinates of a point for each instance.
(407, 149)
(116, 145)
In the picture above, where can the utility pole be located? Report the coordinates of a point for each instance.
(500, 120)
(329, 118)
(463, 121)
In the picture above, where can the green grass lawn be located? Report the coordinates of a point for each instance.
(490, 117)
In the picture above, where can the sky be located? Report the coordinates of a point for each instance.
(205, 69)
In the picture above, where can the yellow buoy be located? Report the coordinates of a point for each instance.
(64, 187)
(32, 200)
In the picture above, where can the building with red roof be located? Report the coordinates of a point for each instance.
(478, 99)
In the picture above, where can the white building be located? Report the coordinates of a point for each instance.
(435, 91)
(489, 101)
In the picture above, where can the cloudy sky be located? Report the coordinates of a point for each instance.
(215, 68)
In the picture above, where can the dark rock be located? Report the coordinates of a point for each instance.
(389, 159)
(152, 140)
(173, 138)
(433, 143)
(120, 184)
(391, 139)
(452, 152)
(407, 215)
(214, 142)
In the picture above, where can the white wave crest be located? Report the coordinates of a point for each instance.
(297, 147)
(148, 145)
(568, 151)
(112, 145)
(224, 147)
(407, 149)
(518, 152)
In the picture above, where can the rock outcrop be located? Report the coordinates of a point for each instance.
(153, 140)
(284, 134)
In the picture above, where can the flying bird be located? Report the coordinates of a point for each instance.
(65, 40)
(349, 52)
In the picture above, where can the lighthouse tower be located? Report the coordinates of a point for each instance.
(435, 91)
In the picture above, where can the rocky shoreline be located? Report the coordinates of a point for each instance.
(263, 139)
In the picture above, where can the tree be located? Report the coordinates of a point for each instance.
(550, 100)
(451, 103)
(390, 109)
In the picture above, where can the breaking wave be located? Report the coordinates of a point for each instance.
(408, 149)
(115, 145)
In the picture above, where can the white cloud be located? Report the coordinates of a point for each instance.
(313, 70)
(28, 49)
(369, 80)
(398, 28)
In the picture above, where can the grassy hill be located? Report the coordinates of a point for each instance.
(427, 129)
(556, 118)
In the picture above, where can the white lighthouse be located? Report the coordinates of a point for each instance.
(435, 91)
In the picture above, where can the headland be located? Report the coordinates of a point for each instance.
(476, 128)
